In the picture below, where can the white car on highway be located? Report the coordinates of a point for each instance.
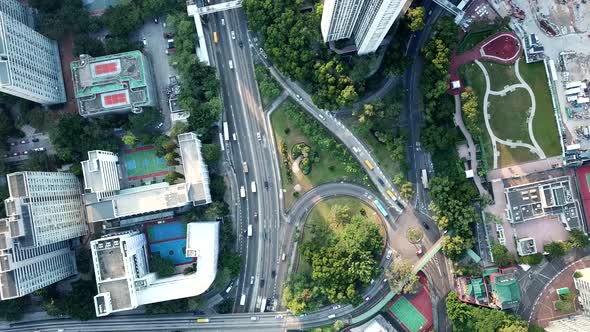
(251, 280)
(233, 35)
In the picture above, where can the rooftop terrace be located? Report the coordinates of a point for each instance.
(111, 83)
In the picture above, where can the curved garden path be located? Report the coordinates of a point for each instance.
(534, 148)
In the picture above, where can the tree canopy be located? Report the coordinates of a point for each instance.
(416, 18)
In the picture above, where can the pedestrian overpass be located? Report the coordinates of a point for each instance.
(196, 8)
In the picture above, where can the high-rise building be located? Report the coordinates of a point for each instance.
(17, 11)
(366, 21)
(44, 211)
(30, 66)
(46, 206)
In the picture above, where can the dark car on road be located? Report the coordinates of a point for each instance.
(425, 225)
(381, 181)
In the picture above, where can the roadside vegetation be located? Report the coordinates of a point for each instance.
(309, 155)
(269, 88)
(377, 125)
(292, 39)
(344, 238)
(452, 194)
(465, 317)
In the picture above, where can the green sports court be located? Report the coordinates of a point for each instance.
(408, 314)
(142, 163)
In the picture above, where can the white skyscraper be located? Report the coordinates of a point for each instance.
(30, 66)
(44, 211)
(366, 21)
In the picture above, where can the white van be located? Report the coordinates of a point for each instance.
(242, 192)
(253, 186)
(231, 64)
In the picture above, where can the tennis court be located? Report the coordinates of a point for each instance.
(407, 314)
(143, 163)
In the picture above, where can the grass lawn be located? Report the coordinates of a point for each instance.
(509, 115)
(500, 75)
(473, 76)
(328, 169)
(473, 39)
(544, 123)
(321, 212)
(513, 156)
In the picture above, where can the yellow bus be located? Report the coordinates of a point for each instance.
(369, 165)
(215, 38)
(202, 320)
(391, 194)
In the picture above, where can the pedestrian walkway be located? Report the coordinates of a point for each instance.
(470, 144)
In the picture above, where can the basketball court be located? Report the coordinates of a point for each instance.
(408, 315)
(142, 163)
(168, 240)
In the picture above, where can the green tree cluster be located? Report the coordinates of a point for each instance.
(292, 39)
(269, 88)
(467, 318)
(451, 204)
(300, 294)
(14, 309)
(577, 239)
(415, 18)
(74, 136)
(402, 271)
(502, 256)
(77, 304)
(162, 266)
(471, 112)
(351, 253)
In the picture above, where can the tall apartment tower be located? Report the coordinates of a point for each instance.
(44, 211)
(366, 21)
(30, 66)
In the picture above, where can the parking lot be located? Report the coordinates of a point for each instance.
(20, 148)
(155, 49)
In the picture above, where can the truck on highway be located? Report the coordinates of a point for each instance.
(243, 299)
(369, 165)
(424, 179)
(332, 316)
(202, 320)
(225, 131)
(263, 305)
(245, 167)
(250, 230)
(242, 192)
(215, 37)
(253, 186)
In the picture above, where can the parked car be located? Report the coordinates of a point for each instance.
(26, 152)
(24, 141)
(144, 40)
(15, 154)
(171, 51)
(35, 140)
(39, 149)
(168, 35)
(425, 225)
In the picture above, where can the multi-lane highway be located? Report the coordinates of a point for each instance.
(252, 145)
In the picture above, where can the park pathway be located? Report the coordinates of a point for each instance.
(472, 153)
(535, 148)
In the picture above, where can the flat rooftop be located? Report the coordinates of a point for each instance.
(550, 197)
(119, 290)
(110, 259)
(111, 82)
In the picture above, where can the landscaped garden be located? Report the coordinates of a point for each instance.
(309, 155)
(342, 237)
(509, 114)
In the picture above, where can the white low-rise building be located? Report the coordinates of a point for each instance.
(123, 278)
(106, 201)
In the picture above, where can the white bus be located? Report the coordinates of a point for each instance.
(250, 230)
(243, 300)
(424, 179)
(225, 131)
